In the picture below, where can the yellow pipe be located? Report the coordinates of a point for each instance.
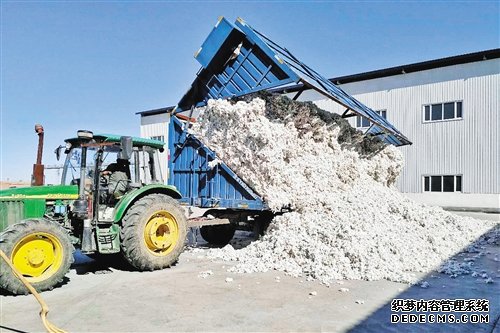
(51, 328)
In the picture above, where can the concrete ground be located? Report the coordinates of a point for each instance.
(99, 298)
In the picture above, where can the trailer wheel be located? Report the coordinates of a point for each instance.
(218, 234)
(153, 232)
(40, 250)
(261, 224)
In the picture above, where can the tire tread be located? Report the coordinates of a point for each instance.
(11, 235)
(133, 247)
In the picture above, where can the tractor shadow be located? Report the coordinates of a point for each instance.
(105, 264)
(240, 240)
(99, 264)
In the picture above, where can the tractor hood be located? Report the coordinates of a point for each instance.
(48, 192)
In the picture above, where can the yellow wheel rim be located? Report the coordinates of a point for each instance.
(38, 256)
(161, 233)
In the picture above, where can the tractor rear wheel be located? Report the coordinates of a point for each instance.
(153, 232)
(40, 250)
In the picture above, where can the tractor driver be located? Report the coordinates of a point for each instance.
(118, 177)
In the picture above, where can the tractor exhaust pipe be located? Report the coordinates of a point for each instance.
(38, 168)
(83, 206)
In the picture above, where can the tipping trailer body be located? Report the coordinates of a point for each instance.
(201, 184)
(238, 60)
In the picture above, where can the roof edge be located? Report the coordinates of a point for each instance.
(420, 66)
(155, 111)
(405, 69)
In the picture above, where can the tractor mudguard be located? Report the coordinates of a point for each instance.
(128, 199)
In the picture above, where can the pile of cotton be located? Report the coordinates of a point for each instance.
(346, 218)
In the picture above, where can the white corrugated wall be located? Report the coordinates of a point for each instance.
(469, 147)
(157, 126)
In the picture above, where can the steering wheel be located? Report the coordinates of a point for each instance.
(103, 180)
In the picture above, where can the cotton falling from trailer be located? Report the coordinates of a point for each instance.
(347, 219)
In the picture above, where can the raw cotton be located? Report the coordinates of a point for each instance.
(346, 219)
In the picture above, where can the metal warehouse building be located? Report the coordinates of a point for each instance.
(449, 108)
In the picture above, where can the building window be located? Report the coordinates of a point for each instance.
(443, 111)
(444, 183)
(362, 122)
(158, 137)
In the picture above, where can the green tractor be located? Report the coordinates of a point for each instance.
(135, 214)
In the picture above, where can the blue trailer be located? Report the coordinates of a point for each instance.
(238, 60)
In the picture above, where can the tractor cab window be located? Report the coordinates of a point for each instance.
(114, 175)
(98, 159)
(142, 168)
(72, 166)
(148, 166)
(109, 158)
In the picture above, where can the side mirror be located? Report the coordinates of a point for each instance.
(58, 152)
(126, 148)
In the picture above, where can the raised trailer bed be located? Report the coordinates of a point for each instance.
(238, 60)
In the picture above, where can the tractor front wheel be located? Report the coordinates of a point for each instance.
(40, 250)
(153, 232)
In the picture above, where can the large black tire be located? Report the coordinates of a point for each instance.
(219, 235)
(36, 247)
(142, 226)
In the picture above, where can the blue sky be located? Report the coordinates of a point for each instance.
(93, 65)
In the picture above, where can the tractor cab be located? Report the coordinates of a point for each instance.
(108, 169)
(92, 162)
